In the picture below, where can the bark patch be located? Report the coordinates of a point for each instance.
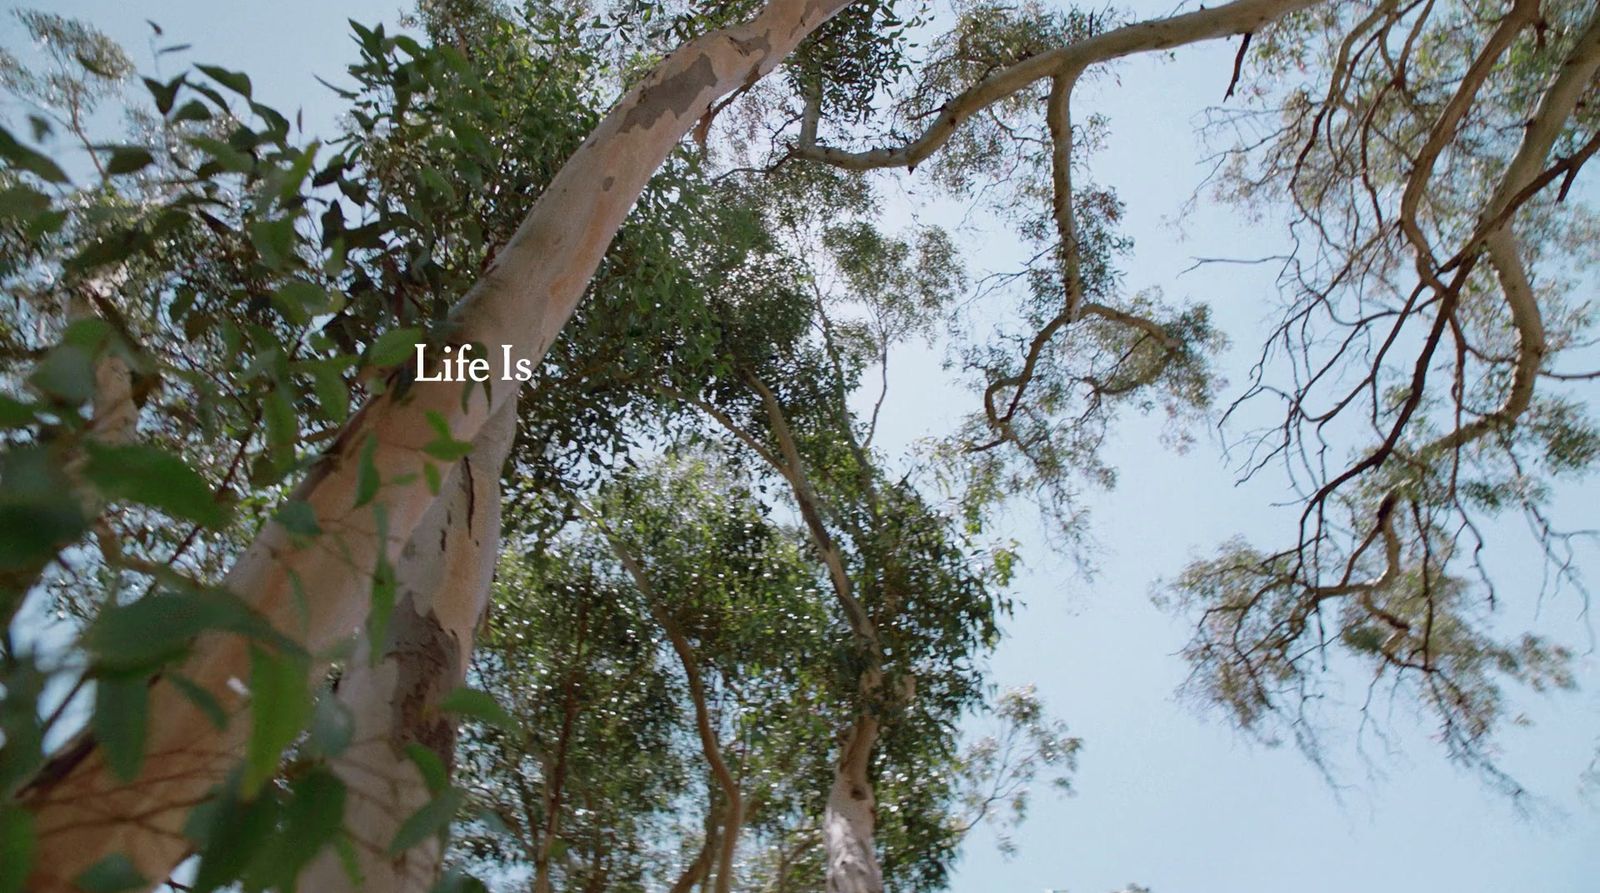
(428, 661)
(676, 93)
(758, 46)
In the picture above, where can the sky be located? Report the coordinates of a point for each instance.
(1165, 796)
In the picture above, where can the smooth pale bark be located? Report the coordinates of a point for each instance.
(443, 578)
(849, 820)
(82, 812)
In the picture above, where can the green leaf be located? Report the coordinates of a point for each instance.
(479, 705)
(151, 476)
(200, 698)
(384, 587)
(24, 158)
(66, 373)
(114, 248)
(332, 727)
(299, 518)
(454, 881)
(300, 300)
(128, 159)
(230, 158)
(312, 819)
(22, 203)
(282, 424)
(193, 110)
(164, 94)
(157, 628)
(367, 481)
(432, 818)
(18, 844)
(39, 512)
(434, 775)
(333, 396)
(393, 347)
(113, 874)
(121, 708)
(274, 240)
(231, 831)
(15, 413)
(280, 707)
(90, 334)
(444, 447)
(236, 81)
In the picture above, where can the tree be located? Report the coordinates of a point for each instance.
(197, 244)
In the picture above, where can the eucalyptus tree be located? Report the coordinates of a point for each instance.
(916, 596)
(582, 787)
(239, 196)
(1428, 149)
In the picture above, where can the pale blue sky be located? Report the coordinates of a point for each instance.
(1165, 797)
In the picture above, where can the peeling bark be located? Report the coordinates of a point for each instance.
(82, 812)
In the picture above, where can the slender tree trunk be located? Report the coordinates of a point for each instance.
(849, 820)
(443, 576)
(695, 871)
(710, 746)
(556, 774)
(82, 812)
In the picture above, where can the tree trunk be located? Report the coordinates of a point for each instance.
(556, 772)
(82, 812)
(849, 820)
(710, 746)
(443, 577)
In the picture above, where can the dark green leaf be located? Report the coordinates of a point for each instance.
(128, 159)
(24, 158)
(332, 727)
(18, 845)
(120, 719)
(431, 819)
(231, 831)
(444, 447)
(22, 202)
(154, 477)
(432, 768)
(280, 707)
(479, 705)
(236, 81)
(193, 110)
(311, 819)
(200, 698)
(230, 158)
(299, 518)
(113, 874)
(274, 239)
(393, 346)
(454, 881)
(157, 628)
(367, 481)
(384, 586)
(66, 373)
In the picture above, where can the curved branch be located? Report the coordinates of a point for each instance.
(1239, 17)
